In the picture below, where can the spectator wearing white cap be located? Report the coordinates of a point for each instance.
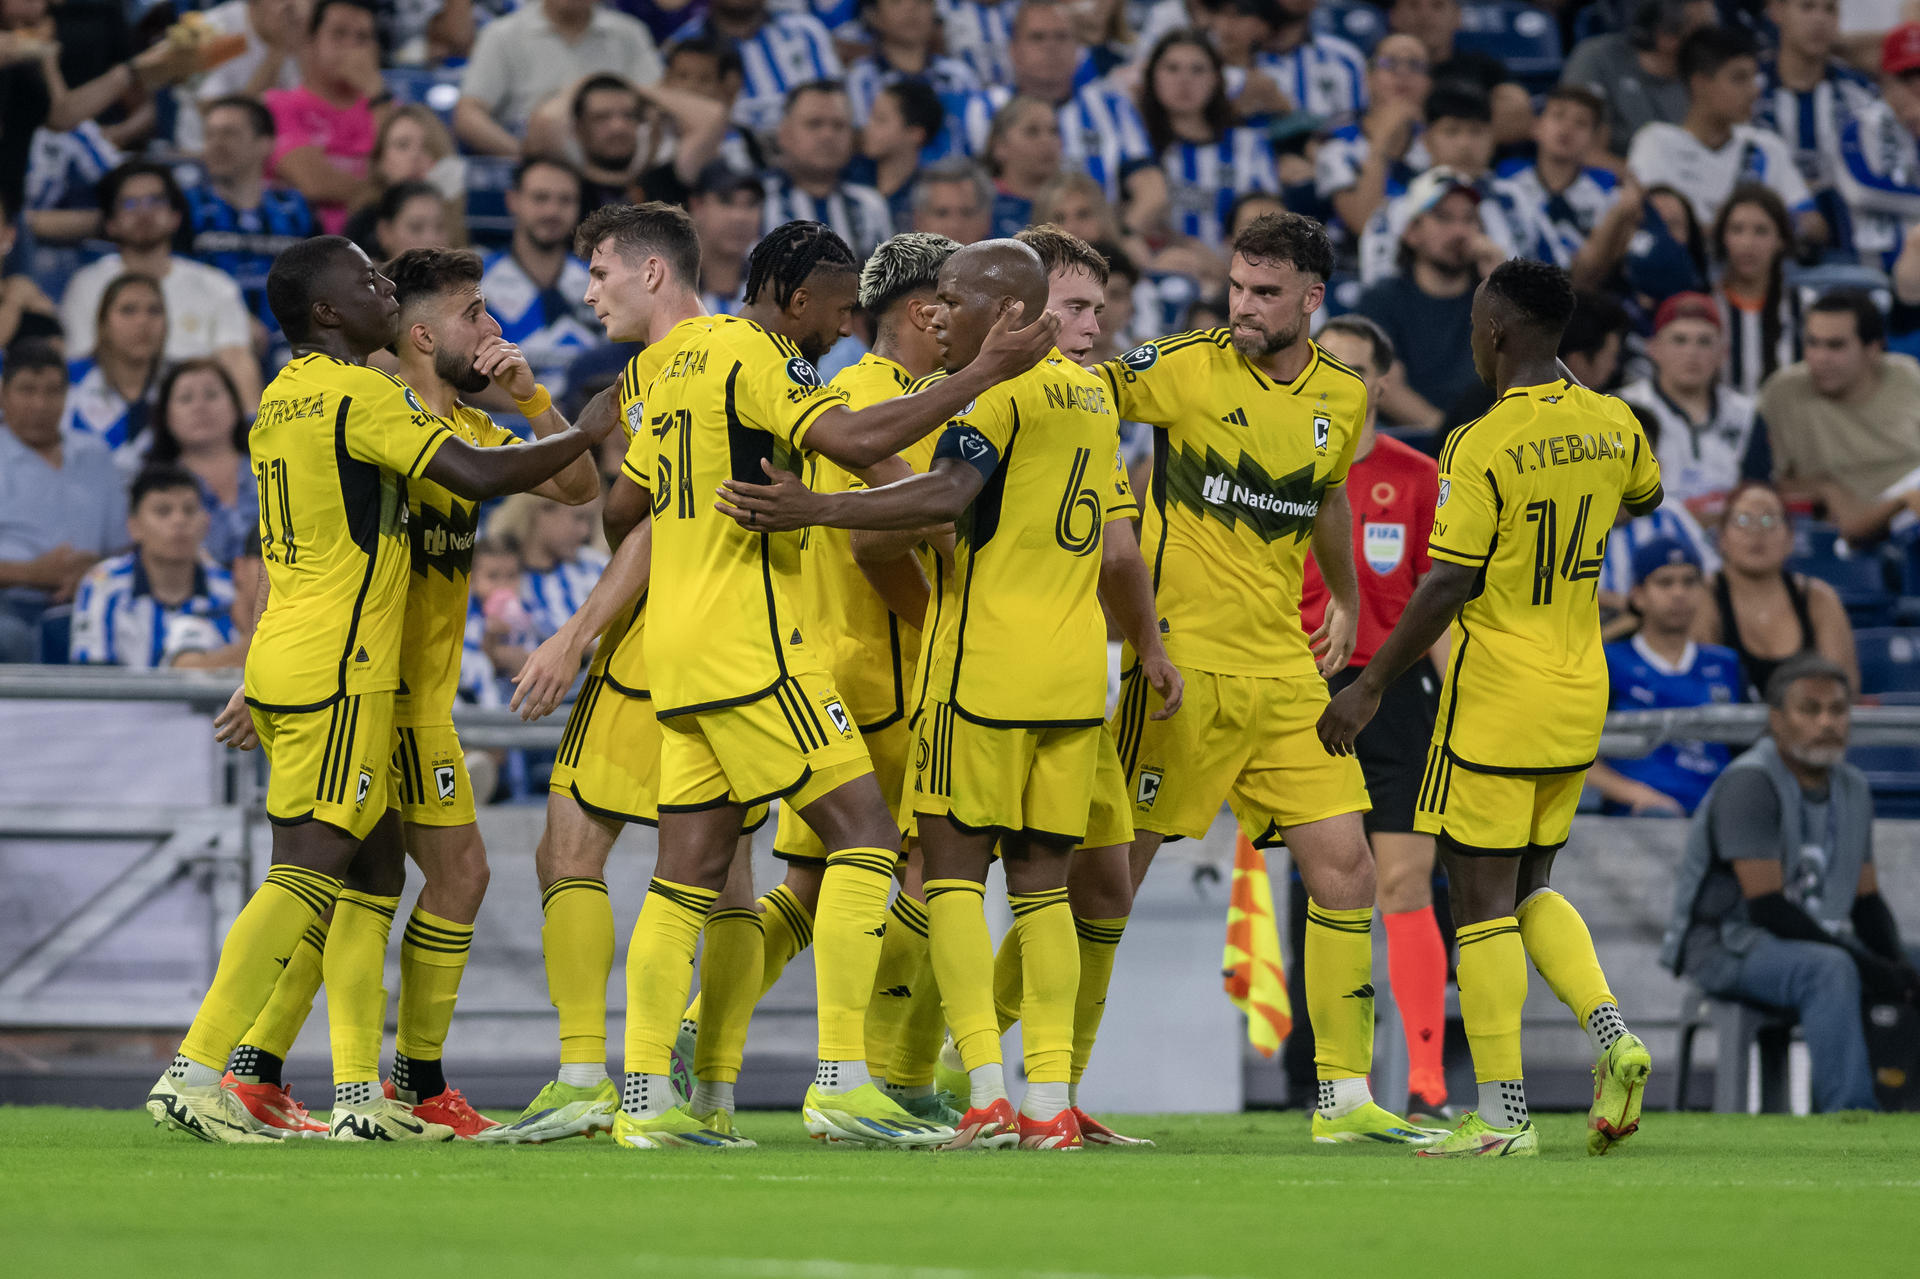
(1459, 139)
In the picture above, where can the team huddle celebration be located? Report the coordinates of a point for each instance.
(875, 610)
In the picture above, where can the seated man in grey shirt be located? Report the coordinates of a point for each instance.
(1635, 70)
(1778, 902)
(63, 504)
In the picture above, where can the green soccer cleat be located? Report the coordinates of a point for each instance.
(672, 1129)
(721, 1121)
(1619, 1085)
(865, 1116)
(560, 1110)
(1475, 1136)
(936, 1107)
(1371, 1122)
(211, 1113)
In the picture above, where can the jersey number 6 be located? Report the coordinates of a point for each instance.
(1074, 500)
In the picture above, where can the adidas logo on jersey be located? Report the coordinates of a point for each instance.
(1236, 418)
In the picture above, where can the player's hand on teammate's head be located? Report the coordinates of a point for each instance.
(1013, 345)
(782, 503)
(1166, 680)
(544, 678)
(233, 726)
(507, 365)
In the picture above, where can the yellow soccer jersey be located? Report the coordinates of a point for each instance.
(1528, 494)
(441, 527)
(723, 611)
(332, 449)
(1240, 465)
(869, 651)
(1017, 637)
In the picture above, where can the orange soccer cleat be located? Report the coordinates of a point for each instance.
(275, 1107)
(991, 1127)
(1062, 1132)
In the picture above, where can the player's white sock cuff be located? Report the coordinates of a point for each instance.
(188, 1073)
(1503, 1102)
(645, 1096)
(709, 1097)
(581, 1074)
(840, 1076)
(1044, 1101)
(1338, 1097)
(1604, 1025)
(908, 1092)
(359, 1092)
(988, 1085)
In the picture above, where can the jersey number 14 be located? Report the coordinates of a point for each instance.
(1548, 560)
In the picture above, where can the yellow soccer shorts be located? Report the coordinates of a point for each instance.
(609, 757)
(332, 765)
(794, 841)
(1244, 740)
(1036, 781)
(1495, 814)
(1110, 819)
(430, 782)
(796, 743)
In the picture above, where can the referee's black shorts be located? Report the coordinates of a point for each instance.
(1392, 749)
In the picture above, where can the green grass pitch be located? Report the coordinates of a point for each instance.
(90, 1192)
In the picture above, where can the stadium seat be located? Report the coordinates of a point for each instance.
(488, 179)
(1889, 659)
(1523, 37)
(1860, 581)
(1357, 24)
(56, 635)
(1343, 293)
(1738, 1028)
(1810, 282)
(1814, 539)
(1894, 774)
(438, 89)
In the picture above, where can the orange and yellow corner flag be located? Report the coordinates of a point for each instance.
(1255, 979)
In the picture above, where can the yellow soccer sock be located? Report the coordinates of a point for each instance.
(962, 951)
(1050, 981)
(903, 964)
(916, 1048)
(730, 964)
(846, 951)
(277, 1027)
(659, 970)
(1008, 982)
(264, 936)
(355, 971)
(789, 931)
(1557, 941)
(433, 957)
(1493, 988)
(1099, 940)
(1339, 979)
(577, 940)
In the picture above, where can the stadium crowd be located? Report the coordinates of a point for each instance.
(1730, 186)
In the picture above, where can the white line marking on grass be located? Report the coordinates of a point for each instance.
(826, 1268)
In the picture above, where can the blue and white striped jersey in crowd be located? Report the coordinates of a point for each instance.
(949, 77)
(1380, 241)
(1100, 132)
(1552, 226)
(980, 33)
(1204, 179)
(857, 213)
(244, 242)
(550, 325)
(841, 17)
(1879, 178)
(479, 685)
(1337, 165)
(96, 407)
(722, 304)
(118, 622)
(1811, 122)
(1324, 75)
(790, 50)
(1750, 359)
(553, 595)
(1672, 520)
(64, 168)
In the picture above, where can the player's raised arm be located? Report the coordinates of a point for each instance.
(477, 474)
(549, 670)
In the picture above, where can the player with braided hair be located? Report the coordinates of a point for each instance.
(747, 708)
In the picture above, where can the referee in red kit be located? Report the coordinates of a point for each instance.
(1393, 489)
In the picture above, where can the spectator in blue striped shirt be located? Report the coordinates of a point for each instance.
(164, 603)
(905, 120)
(725, 206)
(198, 426)
(981, 32)
(1556, 201)
(1436, 24)
(1808, 96)
(808, 180)
(111, 392)
(905, 35)
(557, 566)
(534, 286)
(1362, 165)
(239, 222)
(1319, 74)
(1207, 157)
(778, 53)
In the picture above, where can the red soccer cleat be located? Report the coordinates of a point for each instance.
(987, 1128)
(1062, 1132)
(450, 1108)
(1095, 1133)
(275, 1107)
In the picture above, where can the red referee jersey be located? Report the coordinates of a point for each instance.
(1393, 490)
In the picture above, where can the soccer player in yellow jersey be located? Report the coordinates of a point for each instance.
(1254, 429)
(449, 346)
(1010, 745)
(333, 446)
(1528, 493)
(748, 712)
